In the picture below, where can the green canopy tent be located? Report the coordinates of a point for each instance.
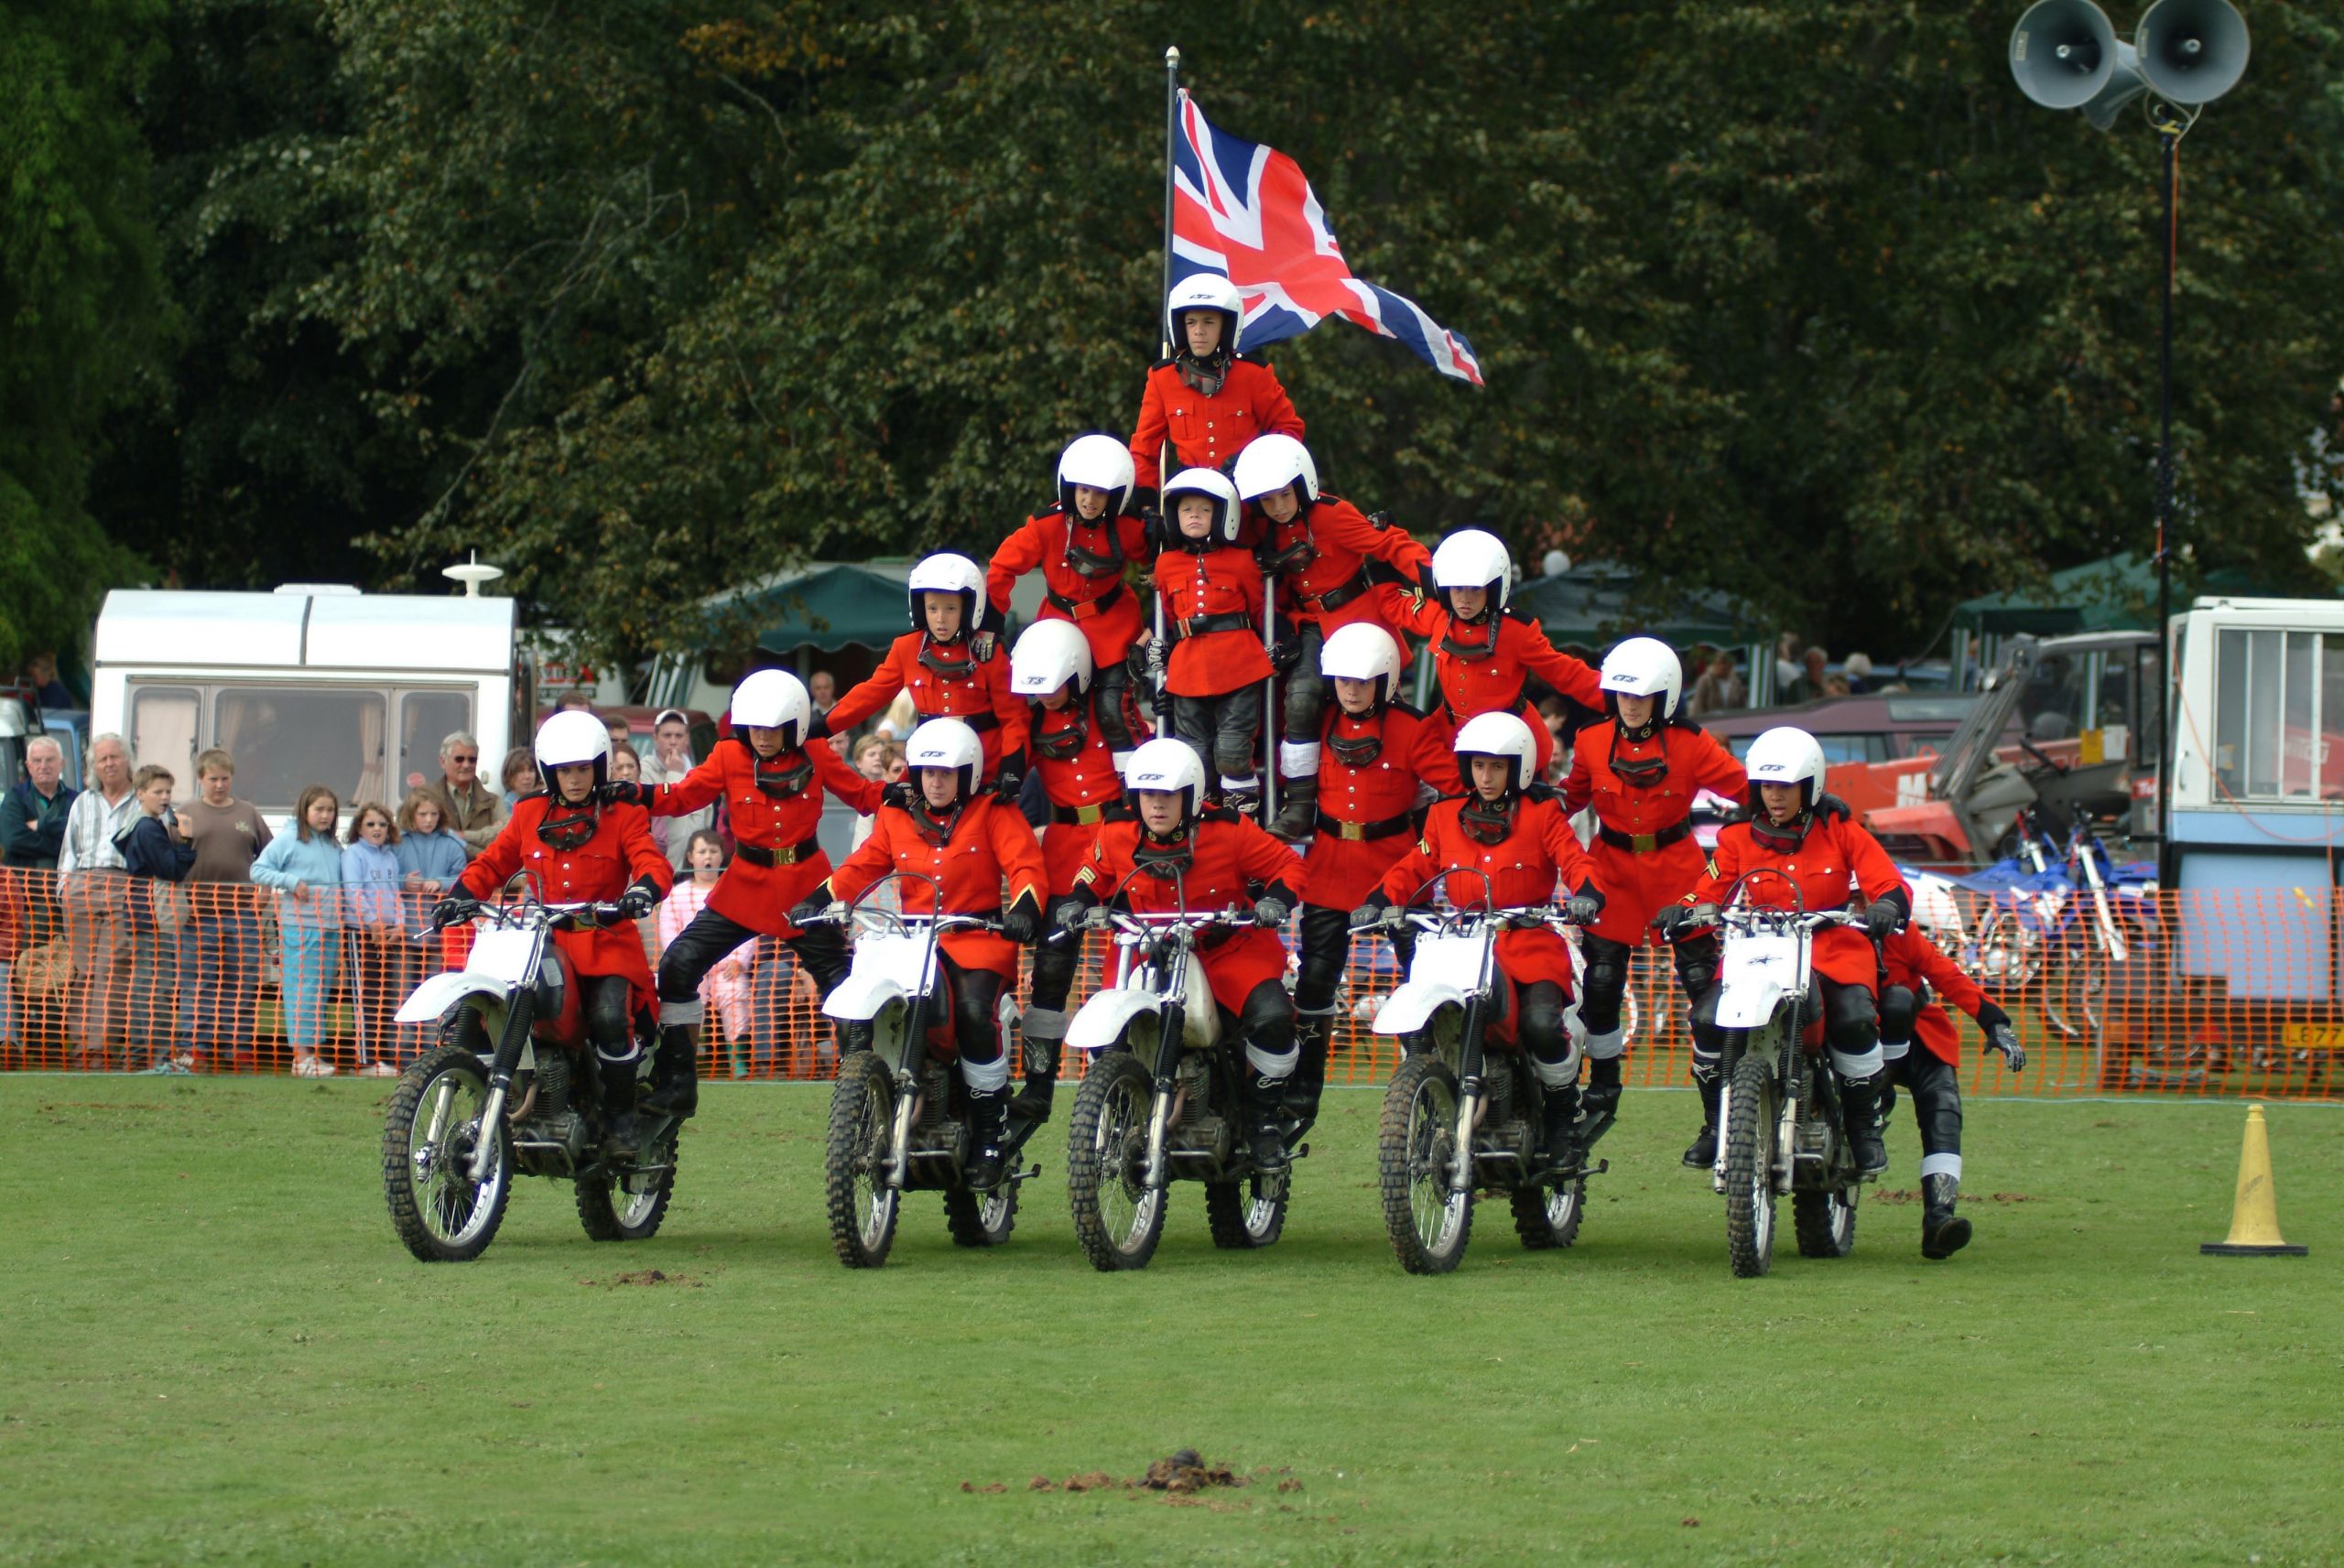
(2116, 593)
(827, 607)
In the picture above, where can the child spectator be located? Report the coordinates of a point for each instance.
(725, 987)
(626, 765)
(430, 857)
(1215, 666)
(519, 775)
(154, 848)
(373, 936)
(306, 871)
(220, 941)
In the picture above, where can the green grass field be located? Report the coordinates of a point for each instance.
(216, 1352)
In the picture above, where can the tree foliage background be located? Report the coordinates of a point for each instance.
(1791, 298)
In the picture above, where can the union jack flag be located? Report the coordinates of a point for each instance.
(1245, 212)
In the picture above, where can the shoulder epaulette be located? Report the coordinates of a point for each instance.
(1516, 612)
(1219, 813)
(1162, 365)
(1410, 708)
(1052, 510)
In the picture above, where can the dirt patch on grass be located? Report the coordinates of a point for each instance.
(1902, 1196)
(1180, 1474)
(644, 1276)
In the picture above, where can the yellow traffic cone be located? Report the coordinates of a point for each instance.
(2254, 1213)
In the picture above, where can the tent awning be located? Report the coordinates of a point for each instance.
(830, 605)
(2118, 593)
(1593, 604)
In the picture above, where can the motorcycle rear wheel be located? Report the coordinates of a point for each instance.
(1429, 1225)
(430, 1131)
(863, 1206)
(1117, 1218)
(1249, 1212)
(1548, 1216)
(1751, 1115)
(630, 1207)
(982, 1219)
(1826, 1221)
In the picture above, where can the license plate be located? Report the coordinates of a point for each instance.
(2314, 1036)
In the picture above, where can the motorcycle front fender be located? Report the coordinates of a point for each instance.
(430, 1001)
(1749, 1003)
(1107, 1017)
(1414, 1005)
(860, 998)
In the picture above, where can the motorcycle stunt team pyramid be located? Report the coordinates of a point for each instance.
(1239, 532)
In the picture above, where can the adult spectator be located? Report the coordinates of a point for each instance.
(475, 812)
(93, 886)
(1814, 672)
(1787, 648)
(1719, 687)
(622, 733)
(156, 853)
(220, 944)
(41, 669)
(32, 821)
(1857, 670)
(670, 759)
(518, 776)
(625, 765)
(823, 687)
(574, 699)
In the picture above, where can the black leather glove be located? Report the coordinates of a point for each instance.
(981, 646)
(819, 726)
(1829, 808)
(1882, 917)
(1372, 917)
(1540, 789)
(1677, 920)
(1285, 655)
(1011, 779)
(2000, 1036)
(808, 909)
(897, 795)
(453, 910)
(622, 792)
(1379, 520)
(1069, 913)
(1583, 906)
(1022, 922)
(639, 900)
(1271, 911)
(1151, 522)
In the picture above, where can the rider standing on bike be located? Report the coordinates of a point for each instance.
(968, 844)
(1171, 854)
(1524, 846)
(578, 849)
(1315, 551)
(1050, 668)
(771, 782)
(951, 668)
(1640, 769)
(1083, 546)
(1208, 399)
(1378, 753)
(1913, 968)
(1814, 857)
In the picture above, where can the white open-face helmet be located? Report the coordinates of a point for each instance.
(1203, 291)
(570, 737)
(945, 572)
(1168, 766)
(1270, 463)
(1785, 756)
(1101, 462)
(947, 744)
(1644, 666)
(1497, 735)
(1362, 651)
(773, 699)
(1215, 487)
(1472, 558)
(1049, 655)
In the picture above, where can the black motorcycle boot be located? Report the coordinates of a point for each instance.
(1860, 1098)
(1558, 1146)
(675, 1073)
(1598, 1102)
(1701, 1154)
(1041, 1053)
(622, 1127)
(1265, 1138)
(1298, 815)
(1943, 1232)
(988, 1131)
(1308, 1080)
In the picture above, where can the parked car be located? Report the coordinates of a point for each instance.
(1869, 729)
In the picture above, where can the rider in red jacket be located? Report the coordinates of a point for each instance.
(1913, 968)
(1212, 596)
(1208, 400)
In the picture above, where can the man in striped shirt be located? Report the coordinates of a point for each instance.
(93, 884)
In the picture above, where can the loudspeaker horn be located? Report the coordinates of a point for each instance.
(2063, 52)
(2191, 52)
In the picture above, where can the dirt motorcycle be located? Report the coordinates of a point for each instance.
(1162, 1099)
(899, 1112)
(1452, 1126)
(513, 1085)
(1781, 1128)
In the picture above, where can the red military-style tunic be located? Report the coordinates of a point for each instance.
(1333, 589)
(1538, 852)
(945, 682)
(1206, 432)
(1826, 859)
(1212, 609)
(780, 861)
(989, 844)
(1911, 960)
(1229, 855)
(1083, 787)
(1082, 563)
(1484, 668)
(1639, 874)
(1369, 771)
(619, 854)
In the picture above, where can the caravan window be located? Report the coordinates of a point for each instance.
(2278, 715)
(286, 738)
(162, 732)
(426, 718)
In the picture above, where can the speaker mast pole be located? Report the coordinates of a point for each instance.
(1161, 704)
(2169, 126)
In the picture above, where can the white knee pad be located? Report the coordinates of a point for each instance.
(985, 1077)
(1231, 786)
(691, 1011)
(1044, 1024)
(1297, 758)
(1604, 1046)
(626, 1064)
(1858, 1067)
(1941, 1165)
(1895, 1050)
(1560, 1075)
(1280, 1066)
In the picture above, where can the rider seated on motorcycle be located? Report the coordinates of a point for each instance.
(1523, 842)
(969, 843)
(1817, 857)
(1913, 968)
(1171, 854)
(577, 849)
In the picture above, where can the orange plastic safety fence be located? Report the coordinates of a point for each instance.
(2229, 992)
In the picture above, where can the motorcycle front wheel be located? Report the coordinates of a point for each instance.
(862, 1204)
(1251, 1213)
(630, 1207)
(1117, 1216)
(1750, 1167)
(430, 1132)
(1415, 1145)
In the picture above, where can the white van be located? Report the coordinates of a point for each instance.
(312, 684)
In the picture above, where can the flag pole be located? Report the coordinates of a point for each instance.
(1163, 703)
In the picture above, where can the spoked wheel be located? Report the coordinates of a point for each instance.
(630, 1206)
(2087, 979)
(429, 1135)
(1750, 1167)
(1549, 1216)
(1826, 1221)
(1117, 1216)
(1416, 1147)
(854, 1162)
(1251, 1213)
(2008, 957)
(982, 1219)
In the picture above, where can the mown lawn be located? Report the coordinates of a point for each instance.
(217, 1352)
